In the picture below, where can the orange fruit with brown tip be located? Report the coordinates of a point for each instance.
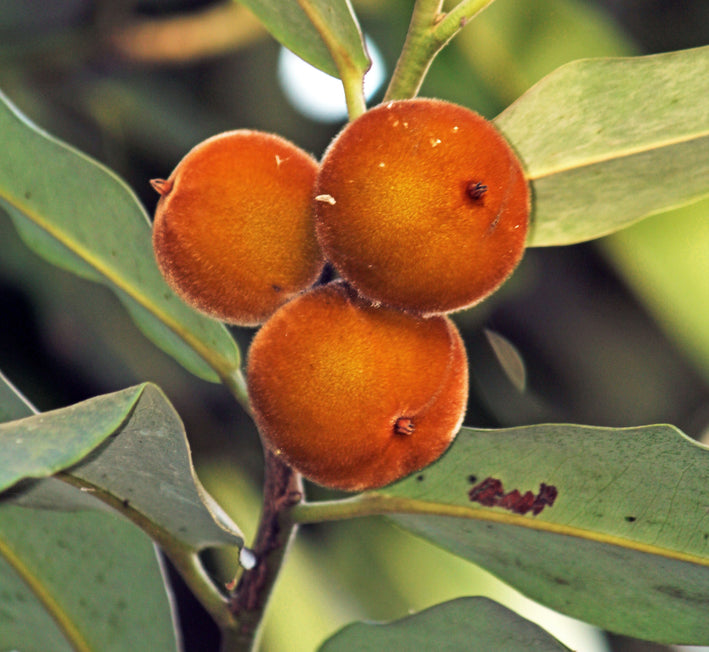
(421, 204)
(352, 395)
(233, 232)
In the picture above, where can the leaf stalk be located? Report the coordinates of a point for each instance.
(351, 75)
(430, 30)
(185, 559)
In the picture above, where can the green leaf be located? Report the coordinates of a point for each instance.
(323, 32)
(143, 466)
(665, 260)
(625, 542)
(40, 445)
(462, 624)
(12, 404)
(78, 215)
(607, 142)
(146, 469)
(47, 493)
(88, 582)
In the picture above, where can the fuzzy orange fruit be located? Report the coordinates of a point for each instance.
(421, 204)
(355, 396)
(233, 232)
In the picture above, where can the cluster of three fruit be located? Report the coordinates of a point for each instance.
(422, 208)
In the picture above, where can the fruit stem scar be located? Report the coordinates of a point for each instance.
(161, 186)
(327, 199)
(475, 190)
(404, 426)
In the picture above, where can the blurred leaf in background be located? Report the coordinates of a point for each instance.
(665, 260)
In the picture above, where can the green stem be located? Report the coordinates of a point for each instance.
(192, 571)
(236, 384)
(418, 52)
(429, 32)
(283, 490)
(353, 84)
(351, 75)
(367, 504)
(374, 504)
(457, 18)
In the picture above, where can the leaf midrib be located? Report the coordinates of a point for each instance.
(395, 505)
(53, 608)
(105, 272)
(616, 155)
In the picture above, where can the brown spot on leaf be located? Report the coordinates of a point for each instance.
(546, 496)
(517, 502)
(490, 493)
(680, 593)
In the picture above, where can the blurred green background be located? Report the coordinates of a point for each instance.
(606, 333)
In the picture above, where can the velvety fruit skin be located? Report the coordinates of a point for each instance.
(421, 204)
(355, 396)
(233, 232)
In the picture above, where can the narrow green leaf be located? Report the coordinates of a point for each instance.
(86, 582)
(70, 582)
(607, 142)
(40, 445)
(319, 31)
(462, 624)
(624, 542)
(78, 215)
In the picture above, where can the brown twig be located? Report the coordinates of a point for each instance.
(282, 490)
